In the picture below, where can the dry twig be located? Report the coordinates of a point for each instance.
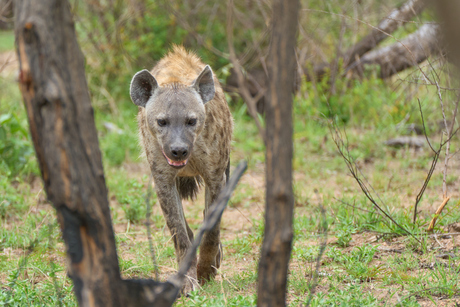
(450, 134)
(432, 168)
(342, 147)
(438, 212)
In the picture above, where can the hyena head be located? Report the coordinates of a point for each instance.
(175, 113)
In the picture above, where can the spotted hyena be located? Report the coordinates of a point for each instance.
(186, 128)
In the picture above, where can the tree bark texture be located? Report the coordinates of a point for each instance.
(53, 84)
(276, 247)
(449, 12)
(410, 51)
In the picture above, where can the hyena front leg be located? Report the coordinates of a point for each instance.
(171, 206)
(210, 248)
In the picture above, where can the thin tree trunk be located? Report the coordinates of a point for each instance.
(53, 85)
(449, 12)
(276, 247)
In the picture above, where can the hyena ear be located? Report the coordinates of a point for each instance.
(204, 84)
(142, 87)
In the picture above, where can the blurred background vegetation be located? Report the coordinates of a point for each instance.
(119, 38)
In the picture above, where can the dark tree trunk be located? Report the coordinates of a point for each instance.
(276, 247)
(53, 85)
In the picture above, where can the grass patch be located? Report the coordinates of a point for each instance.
(6, 40)
(368, 262)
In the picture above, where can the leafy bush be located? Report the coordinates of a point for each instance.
(15, 147)
(134, 207)
(132, 201)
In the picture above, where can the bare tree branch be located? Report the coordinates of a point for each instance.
(321, 69)
(408, 52)
(389, 24)
(342, 147)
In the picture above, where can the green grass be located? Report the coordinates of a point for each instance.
(369, 261)
(6, 40)
(348, 268)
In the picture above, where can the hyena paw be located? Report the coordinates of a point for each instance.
(206, 273)
(190, 285)
(191, 282)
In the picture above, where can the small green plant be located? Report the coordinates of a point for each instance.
(16, 151)
(134, 208)
(356, 263)
(344, 235)
(195, 299)
(131, 196)
(307, 254)
(242, 246)
(350, 296)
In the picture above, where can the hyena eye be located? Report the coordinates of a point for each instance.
(161, 122)
(191, 122)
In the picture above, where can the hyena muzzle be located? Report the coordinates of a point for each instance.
(185, 127)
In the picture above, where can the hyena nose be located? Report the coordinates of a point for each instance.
(179, 152)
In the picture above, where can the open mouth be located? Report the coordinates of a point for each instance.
(176, 164)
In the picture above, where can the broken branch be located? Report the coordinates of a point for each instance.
(436, 215)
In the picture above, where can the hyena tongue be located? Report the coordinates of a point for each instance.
(175, 163)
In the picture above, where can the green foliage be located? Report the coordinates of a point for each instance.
(133, 207)
(220, 300)
(121, 38)
(117, 41)
(355, 102)
(344, 235)
(21, 292)
(242, 246)
(309, 253)
(6, 40)
(357, 262)
(16, 151)
(352, 295)
(15, 198)
(118, 136)
(15, 146)
(132, 200)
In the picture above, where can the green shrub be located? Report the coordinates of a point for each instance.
(16, 151)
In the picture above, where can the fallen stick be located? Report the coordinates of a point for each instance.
(438, 212)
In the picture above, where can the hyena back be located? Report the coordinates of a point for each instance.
(185, 127)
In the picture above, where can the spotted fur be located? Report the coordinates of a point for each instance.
(209, 160)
